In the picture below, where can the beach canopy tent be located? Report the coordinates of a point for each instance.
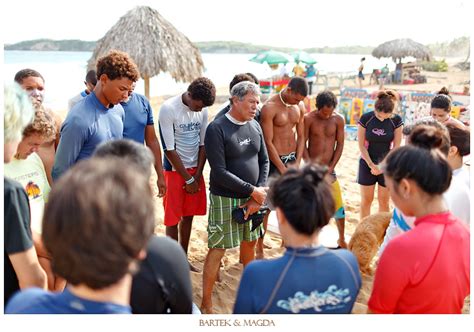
(154, 44)
(302, 56)
(272, 57)
(401, 48)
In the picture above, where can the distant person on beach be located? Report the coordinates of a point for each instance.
(309, 278)
(432, 261)
(378, 132)
(162, 283)
(90, 83)
(98, 221)
(360, 75)
(282, 121)
(239, 168)
(441, 109)
(237, 79)
(139, 126)
(324, 132)
(183, 122)
(298, 70)
(21, 266)
(33, 83)
(455, 142)
(99, 116)
(384, 73)
(310, 75)
(27, 168)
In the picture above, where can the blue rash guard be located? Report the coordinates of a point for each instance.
(311, 280)
(88, 124)
(38, 301)
(138, 115)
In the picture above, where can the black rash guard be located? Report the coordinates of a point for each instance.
(237, 156)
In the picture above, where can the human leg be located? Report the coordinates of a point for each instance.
(185, 227)
(247, 251)
(383, 197)
(259, 246)
(209, 276)
(366, 198)
(172, 232)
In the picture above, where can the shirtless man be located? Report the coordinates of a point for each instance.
(324, 132)
(33, 83)
(281, 120)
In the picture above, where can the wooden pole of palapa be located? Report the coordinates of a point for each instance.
(147, 87)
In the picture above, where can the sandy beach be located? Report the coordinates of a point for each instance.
(225, 291)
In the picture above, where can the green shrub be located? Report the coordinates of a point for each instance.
(435, 65)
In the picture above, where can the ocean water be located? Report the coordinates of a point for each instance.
(64, 72)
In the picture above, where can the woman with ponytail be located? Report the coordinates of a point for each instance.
(441, 109)
(309, 278)
(378, 132)
(425, 270)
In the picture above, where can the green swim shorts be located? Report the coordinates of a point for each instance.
(222, 231)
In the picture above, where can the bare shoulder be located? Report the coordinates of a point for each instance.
(338, 117)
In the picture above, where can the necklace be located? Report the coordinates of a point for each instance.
(281, 98)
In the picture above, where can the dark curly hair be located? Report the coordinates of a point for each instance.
(240, 78)
(117, 65)
(204, 90)
(326, 98)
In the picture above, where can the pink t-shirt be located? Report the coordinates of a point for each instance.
(425, 270)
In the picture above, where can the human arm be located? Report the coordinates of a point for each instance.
(73, 137)
(397, 138)
(202, 150)
(19, 241)
(28, 269)
(266, 122)
(339, 143)
(307, 125)
(152, 142)
(363, 150)
(300, 136)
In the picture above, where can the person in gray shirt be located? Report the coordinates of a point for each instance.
(239, 164)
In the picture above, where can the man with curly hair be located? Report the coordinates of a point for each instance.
(99, 116)
(182, 124)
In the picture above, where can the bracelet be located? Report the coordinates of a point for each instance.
(191, 180)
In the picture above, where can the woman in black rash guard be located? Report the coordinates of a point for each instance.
(378, 132)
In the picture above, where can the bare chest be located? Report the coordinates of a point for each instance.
(287, 117)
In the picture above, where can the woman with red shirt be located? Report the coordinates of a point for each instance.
(425, 270)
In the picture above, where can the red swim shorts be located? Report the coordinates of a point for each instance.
(178, 203)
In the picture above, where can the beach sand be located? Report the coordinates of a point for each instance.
(225, 291)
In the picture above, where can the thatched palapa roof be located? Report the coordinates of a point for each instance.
(400, 48)
(153, 43)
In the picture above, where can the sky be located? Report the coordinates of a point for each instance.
(296, 24)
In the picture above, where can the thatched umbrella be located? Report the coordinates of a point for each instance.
(400, 48)
(154, 44)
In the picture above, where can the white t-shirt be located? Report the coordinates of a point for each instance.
(456, 198)
(182, 130)
(31, 175)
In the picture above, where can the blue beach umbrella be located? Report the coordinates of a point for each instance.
(302, 56)
(272, 57)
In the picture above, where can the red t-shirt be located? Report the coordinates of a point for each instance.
(425, 270)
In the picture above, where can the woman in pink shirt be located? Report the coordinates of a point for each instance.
(425, 270)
